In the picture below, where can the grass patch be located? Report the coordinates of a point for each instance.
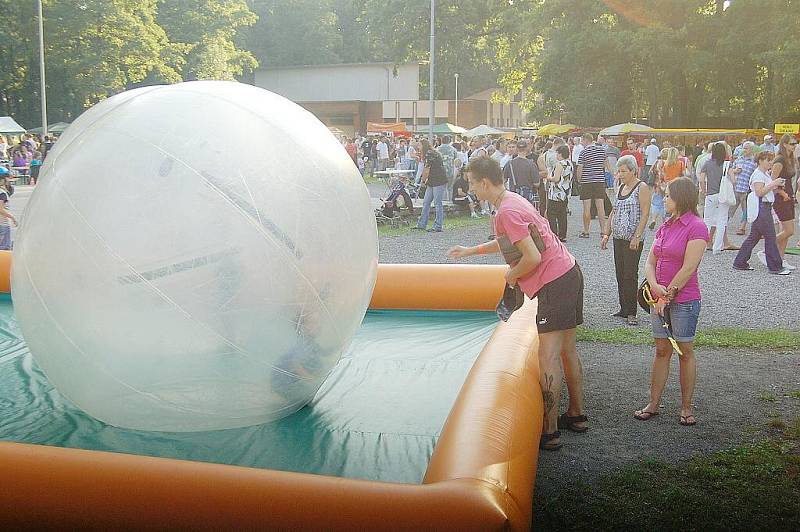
(794, 394)
(767, 396)
(370, 180)
(450, 223)
(770, 339)
(754, 487)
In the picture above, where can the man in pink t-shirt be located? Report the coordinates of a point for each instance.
(543, 268)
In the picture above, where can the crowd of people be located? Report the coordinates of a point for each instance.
(686, 199)
(20, 158)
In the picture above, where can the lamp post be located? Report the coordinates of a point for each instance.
(430, 93)
(456, 117)
(560, 114)
(41, 70)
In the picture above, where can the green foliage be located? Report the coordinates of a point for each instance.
(207, 29)
(97, 48)
(450, 223)
(677, 62)
(755, 487)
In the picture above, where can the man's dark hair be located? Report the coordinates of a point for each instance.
(446, 139)
(486, 168)
(563, 151)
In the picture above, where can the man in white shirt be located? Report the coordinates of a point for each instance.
(651, 154)
(768, 145)
(576, 150)
(383, 154)
(501, 152)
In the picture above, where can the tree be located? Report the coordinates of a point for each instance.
(205, 30)
(93, 50)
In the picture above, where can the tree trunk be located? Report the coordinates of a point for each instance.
(652, 96)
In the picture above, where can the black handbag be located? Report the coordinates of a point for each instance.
(513, 298)
(644, 296)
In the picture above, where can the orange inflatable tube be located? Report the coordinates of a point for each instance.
(5, 272)
(480, 476)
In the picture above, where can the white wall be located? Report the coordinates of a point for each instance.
(440, 109)
(337, 83)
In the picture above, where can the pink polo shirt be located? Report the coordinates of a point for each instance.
(669, 248)
(512, 220)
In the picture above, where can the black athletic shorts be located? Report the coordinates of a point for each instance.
(561, 302)
(593, 191)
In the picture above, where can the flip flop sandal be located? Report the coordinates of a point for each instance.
(583, 235)
(644, 415)
(546, 442)
(685, 421)
(569, 422)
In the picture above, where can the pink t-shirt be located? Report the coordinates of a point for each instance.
(512, 220)
(669, 248)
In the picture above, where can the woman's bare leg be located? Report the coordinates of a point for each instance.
(688, 375)
(660, 373)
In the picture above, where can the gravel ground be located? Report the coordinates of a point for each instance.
(735, 388)
(731, 298)
(733, 400)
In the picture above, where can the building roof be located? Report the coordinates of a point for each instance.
(332, 65)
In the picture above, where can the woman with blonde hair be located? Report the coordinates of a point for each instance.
(3, 148)
(784, 167)
(673, 166)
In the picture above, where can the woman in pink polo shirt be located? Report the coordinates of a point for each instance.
(545, 270)
(671, 271)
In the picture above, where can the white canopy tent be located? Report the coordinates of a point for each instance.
(9, 126)
(483, 129)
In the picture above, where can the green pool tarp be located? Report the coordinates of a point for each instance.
(377, 416)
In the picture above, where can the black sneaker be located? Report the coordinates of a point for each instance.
(415, 228)
(432, 230)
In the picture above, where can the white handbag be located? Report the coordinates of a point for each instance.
(726, 192)
(752, 207)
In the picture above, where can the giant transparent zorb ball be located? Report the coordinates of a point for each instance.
(194, 257)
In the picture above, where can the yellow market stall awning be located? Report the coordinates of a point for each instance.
(555, 129)
(698, 132)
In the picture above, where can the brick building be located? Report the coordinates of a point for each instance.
(347, 96)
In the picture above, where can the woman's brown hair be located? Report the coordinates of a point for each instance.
(683, 192)
(766, 154)
(787, 151)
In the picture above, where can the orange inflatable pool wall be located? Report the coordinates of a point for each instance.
(5, 272)
(480, 476)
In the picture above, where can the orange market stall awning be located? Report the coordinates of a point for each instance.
(386, 127)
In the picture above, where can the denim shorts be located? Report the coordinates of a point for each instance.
(684, 321)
